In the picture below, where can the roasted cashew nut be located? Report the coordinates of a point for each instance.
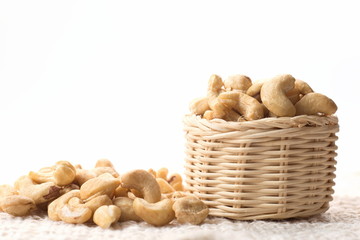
(198, 106)
(273, 95)
(62, 173)
(127, 211)
(157, 214)
(40, 193)
(59, 203)
(104, 184)
(314, 103)
(104, 216)
(190, 210)
(165, 187)
(248, 106)
(237, 82)
(17, 205)
(144, 182)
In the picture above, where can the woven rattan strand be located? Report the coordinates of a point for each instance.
(272, 168)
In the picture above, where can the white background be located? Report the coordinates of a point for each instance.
(83, 80)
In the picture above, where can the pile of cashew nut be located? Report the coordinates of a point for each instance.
(239, 99)
(101, 195)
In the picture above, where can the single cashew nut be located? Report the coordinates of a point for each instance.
(175, 180)
(157, 214)
(83, 175)
(104, 163)
(273, 95)
(314, 103)
(198, 106)
(144, 182)
(62, 173)
(40, 193)
(104, 184)
(165, 187)
(17, 205)
(104, 216)
(59, 203)
(162, 173)
(248, 106)
(237, 82)
(190, 210)
(127, 211)
(75, 214)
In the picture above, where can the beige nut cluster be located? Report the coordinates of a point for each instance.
(239, 99)
(100, 195)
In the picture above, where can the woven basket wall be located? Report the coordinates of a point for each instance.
(272, 168)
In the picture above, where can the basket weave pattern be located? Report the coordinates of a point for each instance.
(272, 168)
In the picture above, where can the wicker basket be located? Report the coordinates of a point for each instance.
(272, 168)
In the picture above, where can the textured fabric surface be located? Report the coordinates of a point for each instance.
(341, 221)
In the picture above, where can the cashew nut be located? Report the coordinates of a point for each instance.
(17, 205)
(144, 182)
(303, 87)
(273, 95)
(105, 184)
(59, 203)
(127, 210)
(97, 202)
(157, 214)
(104, 163)
(190, 210)
(237, 82)
(162, 173)
(74, 211)
(165, 187)
(83, 175)
(248, 106)
(314, 103)
(104, 216)
(198, 106)
(40, 193)
(175, 180)
(62, 173)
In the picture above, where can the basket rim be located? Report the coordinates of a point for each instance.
(277, 122)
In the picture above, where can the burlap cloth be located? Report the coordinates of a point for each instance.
(341, 221)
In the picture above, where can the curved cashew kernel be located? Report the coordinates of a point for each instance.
(255, 88)
(162, 173)
(215, 85)
(103, 162)
(144, 182)
(237, 82)
(273, 95)
(74, 214)
(248, 106)
(157, 214)
(198, 106)
(165, 187)
(62, 173)
(59, 203)
(303, 87)
(17, 205)
(127, 210)
(314, 103)
(40, 193)
(190, 210)
(104, 216)
(104, 184)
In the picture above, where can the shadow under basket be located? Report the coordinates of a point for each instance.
(271, 168)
